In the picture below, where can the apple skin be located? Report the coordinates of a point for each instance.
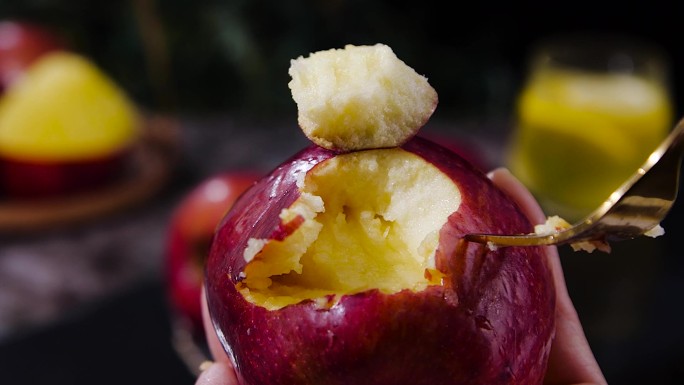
(492, 322)
(34, 180)
(465, 148)
(21, 43)
(189, 235)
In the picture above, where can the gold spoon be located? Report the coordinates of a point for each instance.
(635, 208)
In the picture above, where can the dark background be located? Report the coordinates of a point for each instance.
(205, 58)
(212, 55)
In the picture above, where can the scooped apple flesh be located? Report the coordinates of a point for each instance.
(355, 231)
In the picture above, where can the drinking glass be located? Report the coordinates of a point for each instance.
(590, 112)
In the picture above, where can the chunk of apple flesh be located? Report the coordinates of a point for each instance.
(364, 220)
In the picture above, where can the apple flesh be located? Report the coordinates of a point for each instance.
(352, 269)
(189, 235)
(359, 97)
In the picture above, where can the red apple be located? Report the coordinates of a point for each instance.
(352, 269)
(22, 179)
(464, 147)
(21, 43)
(189, 235)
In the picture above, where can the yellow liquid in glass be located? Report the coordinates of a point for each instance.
(581, 135)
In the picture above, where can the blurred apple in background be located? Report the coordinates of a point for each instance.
(190, 233)
(65, 127)
(21, 43)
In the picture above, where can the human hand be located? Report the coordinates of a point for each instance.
(220, 371)
(571, 361)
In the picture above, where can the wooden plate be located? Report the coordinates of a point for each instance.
(151, 165)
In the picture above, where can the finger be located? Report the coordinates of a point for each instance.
(217, 373)
(571, 360)
(215, 346)
(505, 181)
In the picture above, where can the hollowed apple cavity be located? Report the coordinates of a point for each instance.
(365, 220)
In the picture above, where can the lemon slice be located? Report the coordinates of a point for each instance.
(63, 109)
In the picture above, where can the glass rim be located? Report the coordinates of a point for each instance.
(600, 52)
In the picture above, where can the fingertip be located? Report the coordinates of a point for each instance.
(215, 347)
(521, 195)
(498, 171)
(216, 373)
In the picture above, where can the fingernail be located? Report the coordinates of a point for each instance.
(205, 365)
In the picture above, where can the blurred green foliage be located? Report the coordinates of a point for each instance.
(233, 55)
(213, 56)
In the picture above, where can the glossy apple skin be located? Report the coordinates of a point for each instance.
(189, 235)
(492, 322)
(465, 148)
(21, 43)
(32, 180)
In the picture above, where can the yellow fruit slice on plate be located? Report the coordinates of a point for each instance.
(65, 109)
